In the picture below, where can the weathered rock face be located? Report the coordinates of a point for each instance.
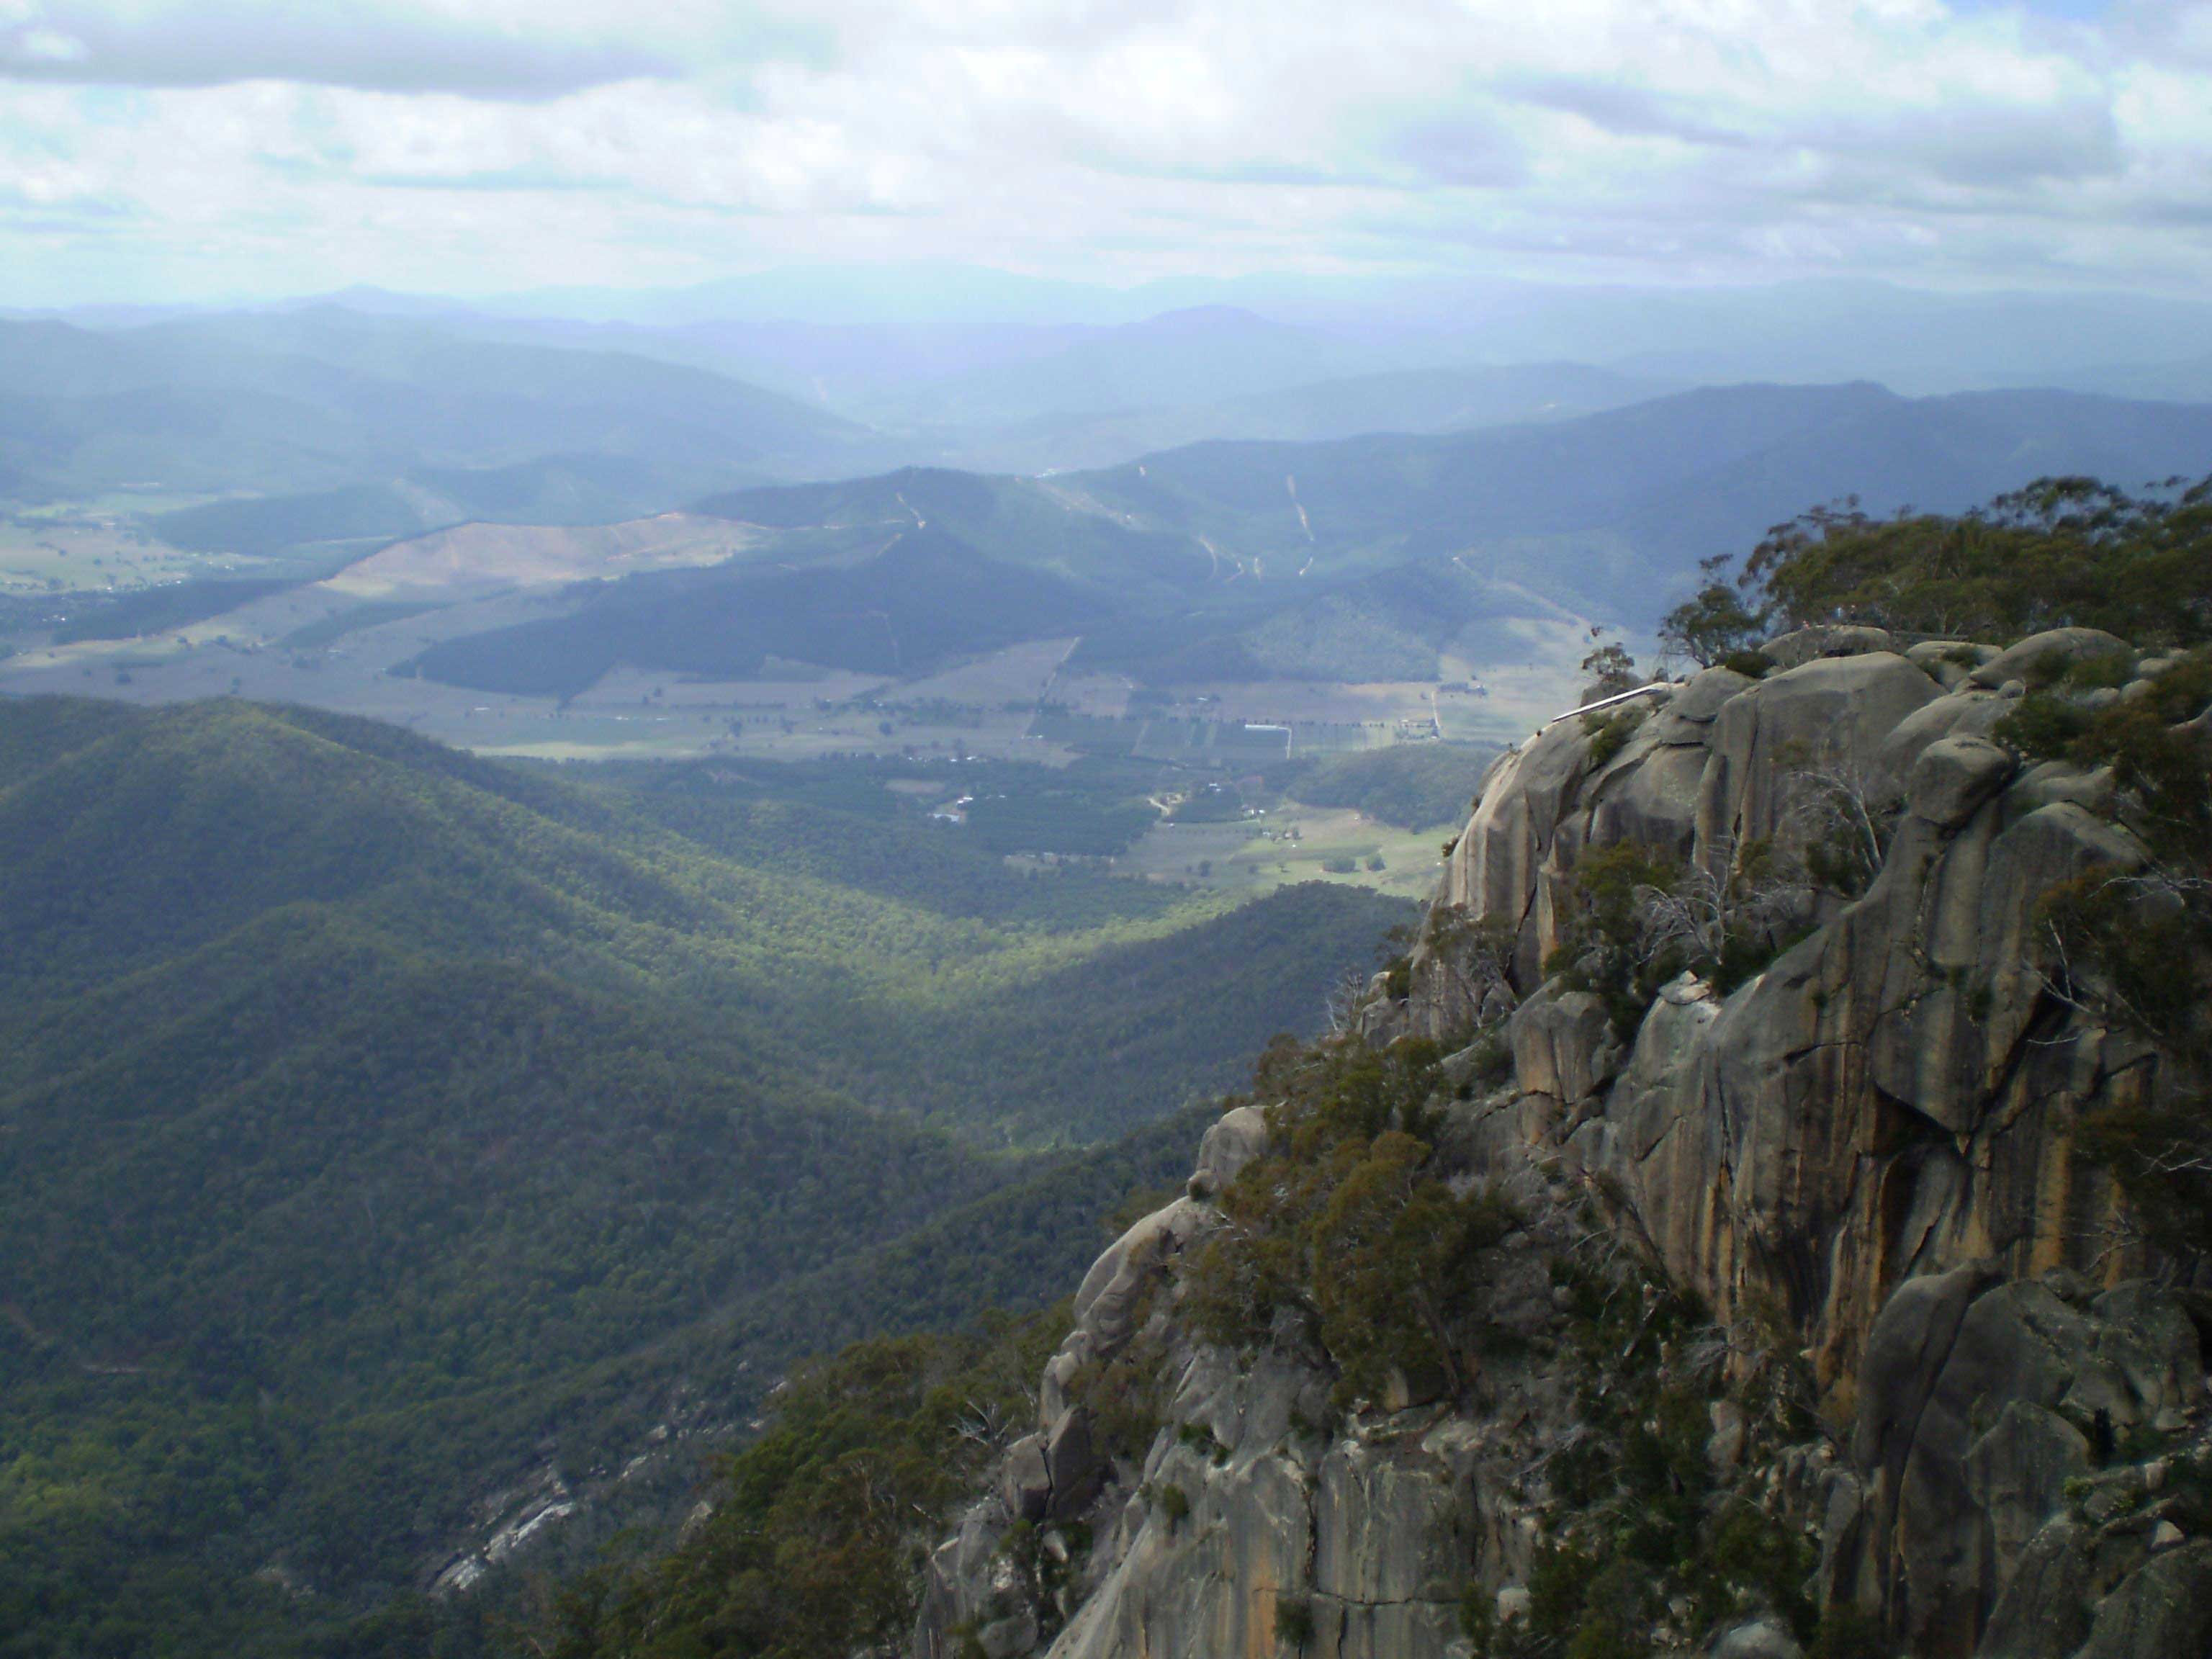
(1872, 1142)
(1895, 1094)
(1246, 1527)
(1985, 1404)
(1353, 1545)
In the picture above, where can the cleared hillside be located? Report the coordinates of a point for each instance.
(1358, 559)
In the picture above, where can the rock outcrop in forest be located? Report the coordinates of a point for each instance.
(1762, 1213)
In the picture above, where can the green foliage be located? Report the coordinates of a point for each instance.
(2162, 1158)
(1015, 1246)
(820, 818)
(2140, 959)
(1608, 732)
(821, 1527)
(1061, 816)
(1635, 918)
(2061, 551)
(1641, 1522)
(1394, 1256)
(1608, 663)
(2133, 943)
(2043, 725)
(2109, 671)
(1607, 882)
(1347, 1229)
(1713, 626)
(1559, 1579)
(1475, 958)
(1492, 1062)
(1216, 802)
(1201, 1438)
(1848, 844)
(2164, 784)
(1123, 1392)
(1413, 785)
(1603, 946)
(374, 1119)
(1049, 1576)
(1615, 1624)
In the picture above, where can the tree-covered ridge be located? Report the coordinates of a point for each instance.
(1414, 785)
(1356, 1243)
(377, 1122)
(2066, 551)
(1359, 1237)
(260, 810)
(816, 1546)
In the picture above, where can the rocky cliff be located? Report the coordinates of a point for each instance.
(1797, 1310)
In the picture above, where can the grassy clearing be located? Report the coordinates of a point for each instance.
(1292, 843)
(323, 646)
(81, 553)
(1020, 673)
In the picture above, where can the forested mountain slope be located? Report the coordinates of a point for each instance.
(1352, 559)
(378, 1125)
(1768, 1211)
(1678, 476)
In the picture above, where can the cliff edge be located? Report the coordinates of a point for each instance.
(1721, 1234)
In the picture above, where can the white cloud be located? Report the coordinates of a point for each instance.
(481, 143)
(39, 46)
(223, 42)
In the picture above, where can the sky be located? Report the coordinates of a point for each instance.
(153, 151)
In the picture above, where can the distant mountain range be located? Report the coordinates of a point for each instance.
(325, 399)
(897, 323)
(1357, 559)
(323, 424)
(1412, 400)
(1809, 330)
(1677, 478)
(1180, 358)
(1202, 496)
(407, 417)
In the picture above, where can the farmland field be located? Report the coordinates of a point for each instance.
(1292, 843)
(354, 640)
(491, 556)
(80, 549)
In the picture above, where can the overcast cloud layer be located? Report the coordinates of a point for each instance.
(153, 151)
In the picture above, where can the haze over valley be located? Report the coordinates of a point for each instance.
(558, 865)
(1205, 520)
(1050, 831)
